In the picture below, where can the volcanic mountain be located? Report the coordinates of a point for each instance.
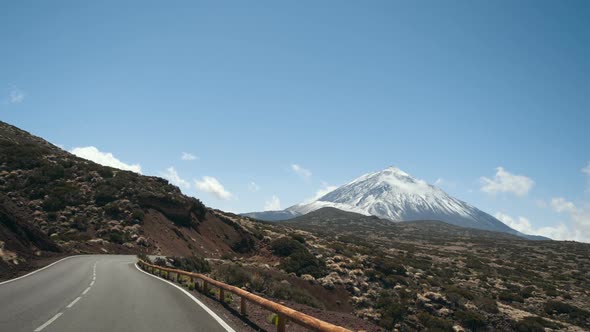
(395, 195)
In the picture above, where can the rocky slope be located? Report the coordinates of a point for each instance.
(53, 201)
(429, 275)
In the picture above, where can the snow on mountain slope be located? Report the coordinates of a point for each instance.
(395, 195)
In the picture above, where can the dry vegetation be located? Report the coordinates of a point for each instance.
(430, 275)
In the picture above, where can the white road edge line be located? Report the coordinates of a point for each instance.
(74, 302)
(91, 284)
(48, 322)
(41, 269)
(209, 311)
(86, 290)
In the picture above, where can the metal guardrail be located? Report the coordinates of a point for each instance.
(284, 313)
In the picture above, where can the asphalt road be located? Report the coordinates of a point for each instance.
(99, 293)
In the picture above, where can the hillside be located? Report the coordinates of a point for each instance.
(351, 269)
(432, 275)
(53, 202)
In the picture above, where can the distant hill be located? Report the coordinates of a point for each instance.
(395, 195)
(334, 221)
(53, 201)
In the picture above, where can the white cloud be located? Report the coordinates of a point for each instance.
(504, 181)
(213, 186)
(188, 156)
(440, 182)
(15, 96)
(520, 224)
(104, 158)
(577, 230)
(253, 187)
(305, 174)
(171, 175)
(273, 204)
(559, 204)
(324, 189)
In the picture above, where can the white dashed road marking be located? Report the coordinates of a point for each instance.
(72, 303)
(48, 322)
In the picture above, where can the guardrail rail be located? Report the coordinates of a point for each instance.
(203, 284)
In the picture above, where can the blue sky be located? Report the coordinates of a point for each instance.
(443, 90)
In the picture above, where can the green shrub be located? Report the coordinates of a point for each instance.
(137, 214)
(471, 319)
(574, 314)
(191, 264)
(432, 323)
(105, 194)
(60, 196)
(286, 291)
(116, 237)
(391, 309)
(486, 304)
(160, 261)
(142, 256)
(298, 237)
(285, 246)
(389, 266)
(245, 245)
(232, 274)
(510, 297)
(534, 324)
(303, 262)
(527, 292)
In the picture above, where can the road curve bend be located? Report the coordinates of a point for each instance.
(100, 293)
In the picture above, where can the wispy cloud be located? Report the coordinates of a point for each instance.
(305, 174)
(211, 185)
(104, 158)
(323, 190)
(15, 96)
(188, 156)
(506, 182)
(557, 232)
(559, 204)
(172, 175)
(520, 224)
(253, 187)
(273, 204)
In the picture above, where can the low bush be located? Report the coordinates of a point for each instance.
(191, 264)
(534, 324)
(574, 314)
(303, 262)
(285, 246)
(510, 297)
(471, 319)
(432, 323)
(391, 309)
(486, 304)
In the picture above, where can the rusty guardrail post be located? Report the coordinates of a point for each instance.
(221, 296)
(281, 323)
(243, 306)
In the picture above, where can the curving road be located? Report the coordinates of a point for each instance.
(100, 293)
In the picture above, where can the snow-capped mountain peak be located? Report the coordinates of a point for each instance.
(395, 195)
